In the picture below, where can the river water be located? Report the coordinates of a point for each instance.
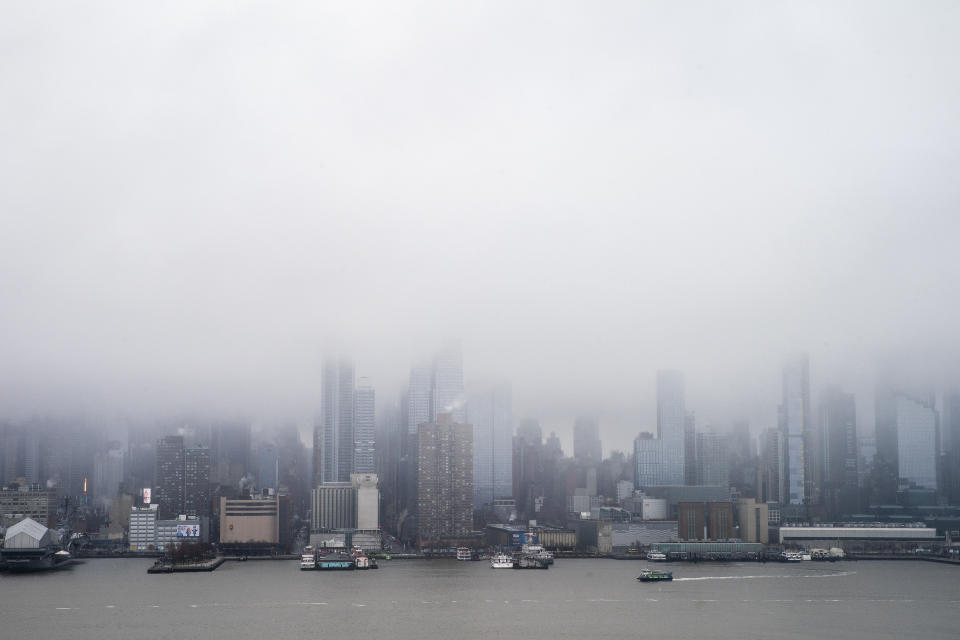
(112, 599)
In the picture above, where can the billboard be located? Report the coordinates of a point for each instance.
(146, 496)
(188, 531)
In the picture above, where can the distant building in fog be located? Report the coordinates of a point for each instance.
(491, 414)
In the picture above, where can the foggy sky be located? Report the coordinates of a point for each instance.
(197, 201)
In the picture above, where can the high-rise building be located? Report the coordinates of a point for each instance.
(168, 492)
(917, 443)
(838, 424)
(196, 478)
(365, 430)
(419, 396)
(491, 414)
(182, 479)
(268, 466)
(586, 441)
(229, 452)
(662, 461)
(671, 420)
(690, 450)
(445, 479)
(771, 464)
(333, 436)
(368, 500)
(108, 473)
(951, 440)
(712, 458)
(448, 396)
(798, 436)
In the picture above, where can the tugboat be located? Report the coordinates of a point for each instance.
(654, 575)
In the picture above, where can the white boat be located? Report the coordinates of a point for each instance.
(309, 559)
(791, 556)
(501, 561)
(464, 553)
(656, 556)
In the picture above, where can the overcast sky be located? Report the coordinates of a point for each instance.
(197, 200)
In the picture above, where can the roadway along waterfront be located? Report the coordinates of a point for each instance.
(113, 599)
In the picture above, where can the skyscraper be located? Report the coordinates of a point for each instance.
(448, 396)
(365, 430)
(795, 424)
(445, 480)
(712, 458)
(182, 479)
(771, 461)
(419, 396)
(838, 424)
(168, 492)
(491, 414)
(333, 436)
(917, 443)
(196, 479)
(586, 441)
(671, 419)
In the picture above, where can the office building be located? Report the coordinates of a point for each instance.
(108, 474)
(365, 429)
(712, 458)
(586, 441)
(448, 395)
(334, 506)
(491, 414)
(771, 465)
(168, 493)
(662, 461)
(245, 522)
(29, 501)
(333, 436)
(445, 480)
(367, 492)
(142, 534)
(917, 443)
(797, 435)
(182, 479)
(838, 426)
(268, 466)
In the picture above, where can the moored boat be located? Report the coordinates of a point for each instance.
(656, 556)
(501, 561)
(464, 553)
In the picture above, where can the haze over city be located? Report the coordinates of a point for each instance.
(199, 202)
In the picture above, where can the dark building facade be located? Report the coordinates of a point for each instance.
(705, 520)
(444, 480)
(838, 424)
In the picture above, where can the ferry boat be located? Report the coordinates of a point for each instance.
(530, 562)
(656, 556)
(308, 560)
(791, 556)
(538, 552)
(501, 561)
(336, 561)
(464, 553)
(654, 575)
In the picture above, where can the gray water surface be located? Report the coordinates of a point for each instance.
(413, 599)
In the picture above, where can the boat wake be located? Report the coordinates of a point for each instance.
(779, 577)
